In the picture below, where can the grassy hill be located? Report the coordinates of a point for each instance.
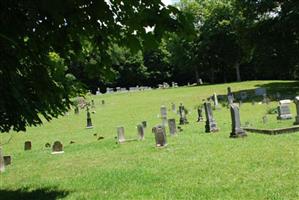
(194, 165)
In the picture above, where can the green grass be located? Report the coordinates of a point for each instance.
(194, 165)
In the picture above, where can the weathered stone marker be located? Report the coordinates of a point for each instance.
(92, 104)
(57, 148)
(173, 107)
(103, 102)
(172, 126)
(230, 96)
(163, 111)
(296, 101)
(2, 166)
(183, 117)
(211, 125)
(284, 111)
(121, 134)
(144, 124)
(89, 123)
(215, 100)
(199, 113)
(160, 136)
(140, 130)
(7, 160)
(27, 145)
(237, 131)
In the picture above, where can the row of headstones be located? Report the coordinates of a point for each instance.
(123, 90)
(165, 85)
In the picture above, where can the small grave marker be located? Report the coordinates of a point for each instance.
(172, 126)
(230, 96)
(284, 111)
(173, 107)
(89, 123)
(140, 130)
(144, 124)
(160, 136)
(183, 117)
(211, 125)
(237, 131)
(57, 148)
(297, 109)
(2, 166)
(7, 160)
(27, 145)
(163, 111)
(121, 134)
(200, 116)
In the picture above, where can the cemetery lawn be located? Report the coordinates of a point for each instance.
(194, 165)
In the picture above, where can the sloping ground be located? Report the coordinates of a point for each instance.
(194, 165)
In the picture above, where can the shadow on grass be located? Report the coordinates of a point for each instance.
(24, 194)
(291, 88)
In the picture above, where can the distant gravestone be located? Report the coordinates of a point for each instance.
(211, 125)
(172, 126)
(163, 111)
(7, 160)
(92, 104)
(103, 102)
(183, 117)
(173, 107)
(2, 166)
(237, 131)
(88, 120)
(144, 124)
(140, 130)
(160, 136)
(284, 111)
(57, 147)
(200, 81)
(121, 134)
(215, 100)
(260, 91)
(200, 116)
(230, 96)
(265, 119)
(297, 109)
(27, 145)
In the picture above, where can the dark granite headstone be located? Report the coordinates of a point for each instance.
(200, 116)
(121, 134)
(160, 136)
(172, 126)
(284, 111)
(2, 166)
(296, 101)
(144, 124)
(89, 123)
(237, 131)
(183, 117)
(140, 130)
(7, 160)
(57, 147)
(211, 125)
(27, 145)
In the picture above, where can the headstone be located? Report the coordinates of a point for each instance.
(140, 130)
(237, 131)
(27, 145)
(260, 91)
(160, 136)
(284, 111)
(297, 109)
(144, 124)
(57, 147)
(183, 117)
(211, 125)
(265, 119)
(172, 126)
(89, 123)
(199, 113)
(215, 100)
(121, 134)
(163, 111)
(76, 110)
(2, 166)
(92, 104)
(200, 81)
(230, 96)
(173, 107)
(103, 102)
(7, 160)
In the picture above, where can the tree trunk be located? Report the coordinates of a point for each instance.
(237, 67)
